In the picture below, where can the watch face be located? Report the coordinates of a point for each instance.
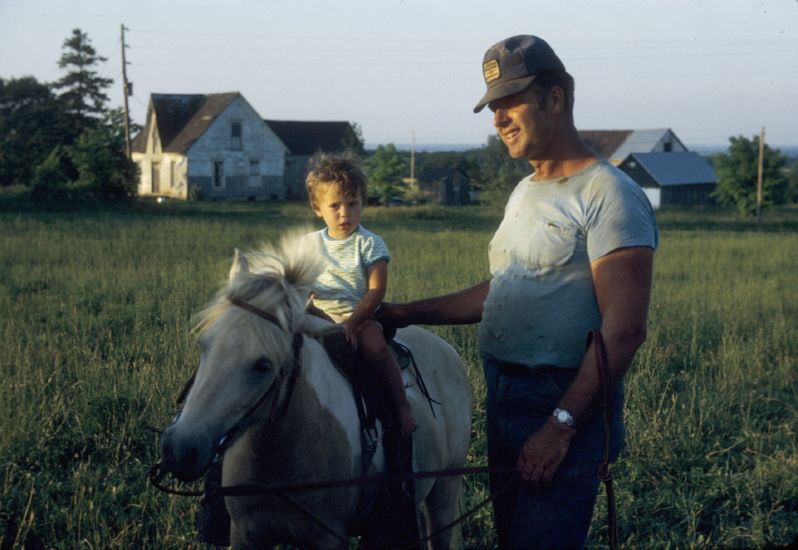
(564, 417)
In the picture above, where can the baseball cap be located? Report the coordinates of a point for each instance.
(511, 65)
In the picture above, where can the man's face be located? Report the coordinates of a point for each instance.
(523, 123)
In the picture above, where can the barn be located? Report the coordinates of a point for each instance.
(211, 146)
(671, 179)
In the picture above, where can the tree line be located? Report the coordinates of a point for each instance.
(60, 139)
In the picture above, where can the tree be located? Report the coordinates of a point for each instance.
(737, 173)
(792, 182)
(499, 173)
(104, 170)
(354, 140)
(82, 86)
(385, 170)
(31, 125)
(95, 167)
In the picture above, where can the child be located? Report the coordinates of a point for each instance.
(355, 277)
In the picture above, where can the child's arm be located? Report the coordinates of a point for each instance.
(377, 285)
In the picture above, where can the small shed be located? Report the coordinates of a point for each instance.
(672, 178)
(306, 138)
(445, 185)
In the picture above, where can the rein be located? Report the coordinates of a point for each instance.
(156, 474)
(604, 473)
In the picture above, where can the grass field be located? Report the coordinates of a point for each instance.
(96, 306)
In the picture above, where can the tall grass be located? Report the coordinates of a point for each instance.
(95, 347)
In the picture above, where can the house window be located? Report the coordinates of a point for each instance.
(172, 174)
(218, 174)
(254, 173)
(235, 135)
(668, 146)
(156, 177)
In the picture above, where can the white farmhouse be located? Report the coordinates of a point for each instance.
(210, 146)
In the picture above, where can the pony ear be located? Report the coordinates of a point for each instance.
(240, 265)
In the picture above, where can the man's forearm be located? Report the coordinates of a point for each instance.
(459, 308)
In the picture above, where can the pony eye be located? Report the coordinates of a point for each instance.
(262, 366)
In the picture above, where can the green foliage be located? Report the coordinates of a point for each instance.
(737, 173)
(385, 170)
(52, 179)
(354, 140)
(97, 305)
(104, 171)
(82, 96)
(792, 182)
(499, 173)
(93, 168)
(31, 125)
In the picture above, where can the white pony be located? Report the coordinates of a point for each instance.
(300, 420)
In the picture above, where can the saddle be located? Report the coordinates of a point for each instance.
(393, 521)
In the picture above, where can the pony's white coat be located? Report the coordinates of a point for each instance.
(244, 356)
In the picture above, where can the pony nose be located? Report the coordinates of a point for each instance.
(181, 460)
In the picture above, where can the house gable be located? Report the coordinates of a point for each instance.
(616, 145)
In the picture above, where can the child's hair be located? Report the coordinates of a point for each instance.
(340, 168)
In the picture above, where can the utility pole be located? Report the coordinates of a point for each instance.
(127, 90)
(759, 175)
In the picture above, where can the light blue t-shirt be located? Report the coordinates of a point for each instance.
(542, 303)
(344, 281)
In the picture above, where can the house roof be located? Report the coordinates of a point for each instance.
(182, 118)
(674, 168)
(604, 142)
(308, 137)
(619, 144)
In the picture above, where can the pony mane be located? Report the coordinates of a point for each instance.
(279, 281)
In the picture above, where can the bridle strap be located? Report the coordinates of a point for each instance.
(256, 311)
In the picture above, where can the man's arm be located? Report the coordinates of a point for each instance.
(622, 280)
(459, 308)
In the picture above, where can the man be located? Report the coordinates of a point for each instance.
(573, 253)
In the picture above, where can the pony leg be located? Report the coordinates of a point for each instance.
(443, 507)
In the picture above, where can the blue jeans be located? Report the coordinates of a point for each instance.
(520, 401)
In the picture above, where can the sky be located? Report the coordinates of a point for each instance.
(409, 70)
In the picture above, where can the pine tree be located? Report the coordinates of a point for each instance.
(82, 96)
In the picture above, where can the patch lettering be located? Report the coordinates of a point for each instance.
(491, 71)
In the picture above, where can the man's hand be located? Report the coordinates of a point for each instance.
(543, 453)
(391, 316)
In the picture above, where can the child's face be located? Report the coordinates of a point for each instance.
(340, 212)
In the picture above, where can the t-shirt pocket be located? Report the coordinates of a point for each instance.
(553, 243)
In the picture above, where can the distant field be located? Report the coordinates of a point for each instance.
(95, 346)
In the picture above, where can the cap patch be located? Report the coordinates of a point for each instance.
(491, 71)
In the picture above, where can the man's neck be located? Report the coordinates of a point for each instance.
(569, 156)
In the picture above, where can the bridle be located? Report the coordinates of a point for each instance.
(279, 406)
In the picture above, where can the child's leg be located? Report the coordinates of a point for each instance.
(378, 357)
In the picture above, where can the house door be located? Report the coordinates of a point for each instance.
(156, 177)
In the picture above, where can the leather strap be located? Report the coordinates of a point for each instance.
(604, 473)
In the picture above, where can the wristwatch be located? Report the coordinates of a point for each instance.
(564, 416)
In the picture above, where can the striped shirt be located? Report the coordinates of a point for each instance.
(344, 281)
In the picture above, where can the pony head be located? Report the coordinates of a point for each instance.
(243, 357)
